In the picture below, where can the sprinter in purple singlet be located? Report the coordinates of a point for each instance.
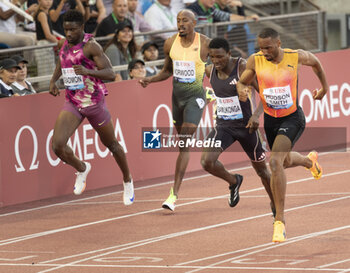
(84, 66)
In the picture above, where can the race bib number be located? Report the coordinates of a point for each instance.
(184, 71)
(71, 80)
(229, 108)
(278, 97)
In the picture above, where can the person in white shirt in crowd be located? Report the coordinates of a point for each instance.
(21, 86)
(178, 5)
(161, 16)
(8, 33)
(150, 53)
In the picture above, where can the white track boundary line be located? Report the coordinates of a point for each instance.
(180, 267)
(330, 264)
(289, 241)
(138, 188)
(116, 192)
(49, 232)
(173, 235)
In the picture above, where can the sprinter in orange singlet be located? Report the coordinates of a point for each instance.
(277, 72)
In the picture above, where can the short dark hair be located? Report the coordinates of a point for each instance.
(268, 33)
(73, 15)
(219, 43)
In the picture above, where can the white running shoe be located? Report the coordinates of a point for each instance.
(80, 181)
(128, 196)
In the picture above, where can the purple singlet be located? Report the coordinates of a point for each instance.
(82, 91)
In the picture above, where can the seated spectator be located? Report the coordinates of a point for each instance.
(206, 12)
(108, 4)
(109, 25)
(21, 86)
(8, 73)
(97, 14)
(150, 53)
(138, 21)
(8, 33)
(137, 69)
(44, 57)
(237, 33)
(144, 6)
(44, 29)
(60, 7)
(122, 48)
(161, 16)
(178, 5)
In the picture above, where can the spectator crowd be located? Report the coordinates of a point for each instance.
(118, 19)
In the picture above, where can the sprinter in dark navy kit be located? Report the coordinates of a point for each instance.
(234, 121)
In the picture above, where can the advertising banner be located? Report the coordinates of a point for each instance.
(29, 170)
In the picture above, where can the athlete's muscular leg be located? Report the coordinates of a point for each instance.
(280, 149)
(186, 129)
(107, 136)
(211, 164)
(265, 176)
(65, 126)
(294, 159)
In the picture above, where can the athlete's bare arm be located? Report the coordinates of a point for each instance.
(246, 79)
(53, 89)
(93, 51)
(204, 47)
(208, 69)
(253, 122)
(167, 69)
(309, 59)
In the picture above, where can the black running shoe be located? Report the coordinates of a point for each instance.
(234, 191)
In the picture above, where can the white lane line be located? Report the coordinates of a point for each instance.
(200, 198)
(117, 192)
(179, 267)
(49, 232)
(330, 264)
(138, 188)
(289, 241)
(267, 244)
(172, 235)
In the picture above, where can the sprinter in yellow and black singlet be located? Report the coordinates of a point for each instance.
(277, 72)
(185, 56)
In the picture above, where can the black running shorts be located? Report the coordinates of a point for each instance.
(291, 126)
(251, 143)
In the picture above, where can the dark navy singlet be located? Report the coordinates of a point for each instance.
(229, 108)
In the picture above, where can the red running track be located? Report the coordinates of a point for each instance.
(97, 233)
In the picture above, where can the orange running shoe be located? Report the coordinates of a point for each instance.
(279, 232)
(316, 169)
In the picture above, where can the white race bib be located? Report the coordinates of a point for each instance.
(71, 80)
(228, 108)
(278, 97)
(184, 71)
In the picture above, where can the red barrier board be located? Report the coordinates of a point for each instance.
(30, 170)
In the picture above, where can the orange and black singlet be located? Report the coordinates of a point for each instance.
(278, 83)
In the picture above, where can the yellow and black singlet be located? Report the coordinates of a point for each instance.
(188, 68)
